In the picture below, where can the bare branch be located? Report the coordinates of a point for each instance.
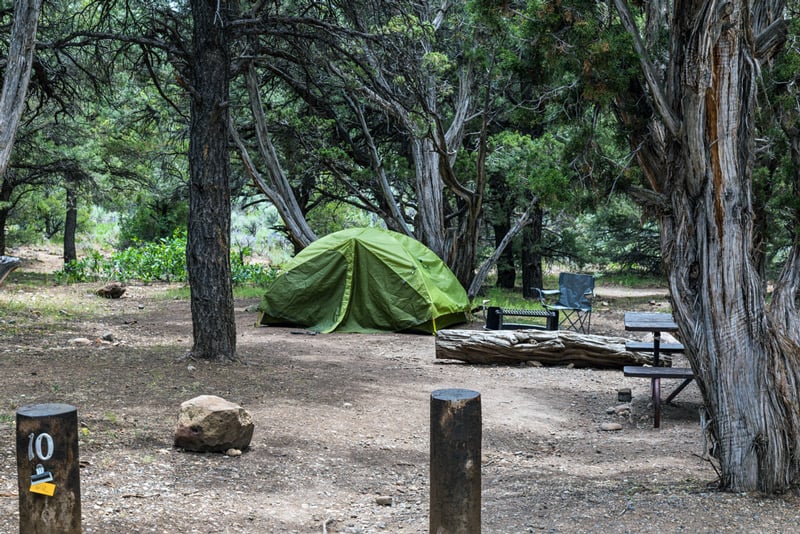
(671, 121)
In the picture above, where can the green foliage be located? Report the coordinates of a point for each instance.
(437, 63)
(621, 240)
(255, 229)
(334, 216)
(244, 273)
(527, 163)
(152, 218)
(162, 260)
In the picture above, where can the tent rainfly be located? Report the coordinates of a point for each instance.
(365, 280)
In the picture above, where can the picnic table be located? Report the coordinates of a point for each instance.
(656, 323)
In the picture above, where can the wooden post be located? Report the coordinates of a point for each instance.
(455, 506)
(48, 471)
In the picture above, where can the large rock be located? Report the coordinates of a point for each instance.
(211, 424)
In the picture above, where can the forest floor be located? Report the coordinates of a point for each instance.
(341, 441)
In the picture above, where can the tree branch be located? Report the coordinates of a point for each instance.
(483, 270)
(671, 121)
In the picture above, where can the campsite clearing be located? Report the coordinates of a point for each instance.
(342, 423)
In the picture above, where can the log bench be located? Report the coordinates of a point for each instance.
(495, 315)
(655, 374)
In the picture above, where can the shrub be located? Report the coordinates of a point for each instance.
(162, 260)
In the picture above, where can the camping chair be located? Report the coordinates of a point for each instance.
(575, 293)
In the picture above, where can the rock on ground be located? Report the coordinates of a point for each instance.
(212, 424)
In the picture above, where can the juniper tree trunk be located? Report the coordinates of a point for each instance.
(5, 196)
(745, 353)
(506, 273)
(208, 239)
(17, 74)
(70, 223)
(532, 275)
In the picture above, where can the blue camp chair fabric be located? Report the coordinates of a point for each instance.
(573, 299)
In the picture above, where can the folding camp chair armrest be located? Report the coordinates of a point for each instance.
(544, 293)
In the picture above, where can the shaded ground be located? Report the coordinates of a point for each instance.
(341, 420)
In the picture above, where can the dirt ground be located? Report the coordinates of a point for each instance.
(342, 429)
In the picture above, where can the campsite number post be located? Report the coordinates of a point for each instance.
(48, 471)
(455, 506)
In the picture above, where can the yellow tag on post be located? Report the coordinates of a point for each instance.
(44, 488)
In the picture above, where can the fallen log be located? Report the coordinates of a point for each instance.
(7, 264)
(546, 347)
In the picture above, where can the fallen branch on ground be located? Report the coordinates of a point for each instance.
(546, 347)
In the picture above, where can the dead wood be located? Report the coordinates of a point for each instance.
(113, 290)
(546, 347)
(7, 264)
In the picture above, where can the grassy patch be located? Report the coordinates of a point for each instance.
(27, 306)
(239, 292)
(7, 419)
(632, 280)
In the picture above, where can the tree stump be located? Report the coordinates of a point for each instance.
(48, 470)
(113, 290)
(455, 494)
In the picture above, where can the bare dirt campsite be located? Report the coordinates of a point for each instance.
(341, 443)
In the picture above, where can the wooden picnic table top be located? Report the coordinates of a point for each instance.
(650, 322)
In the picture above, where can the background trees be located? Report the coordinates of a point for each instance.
(489, 132)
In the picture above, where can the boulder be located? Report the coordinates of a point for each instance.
(211, 424)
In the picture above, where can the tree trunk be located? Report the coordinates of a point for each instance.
(483, 270)
(506, 274)
(744, 354)
(17, 73)
(5, 196)
(70, 224)
(532, 275)
(430, 221)
(208, 239)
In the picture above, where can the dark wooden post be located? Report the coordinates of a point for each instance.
(455, 506)
(48, 471)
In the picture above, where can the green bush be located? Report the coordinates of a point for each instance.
(153, 219)
(163, 260)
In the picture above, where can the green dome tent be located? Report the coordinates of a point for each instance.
(365, 280)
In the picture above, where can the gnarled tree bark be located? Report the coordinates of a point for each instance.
(17, 74)
(551, 348)
(745, 352)
(208, 236)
